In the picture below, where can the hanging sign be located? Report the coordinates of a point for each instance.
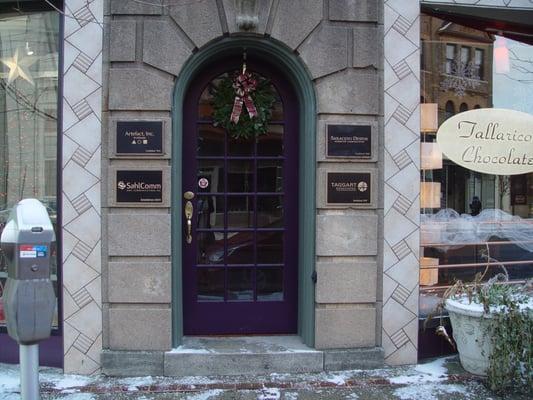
(139, 186)
(349, 141)
(348, 188)
(489, 140)
(139, 137)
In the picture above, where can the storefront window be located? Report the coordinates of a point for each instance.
(28, 117)
(471, 221)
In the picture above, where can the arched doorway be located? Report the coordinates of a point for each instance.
(267, 51)
(239, 268)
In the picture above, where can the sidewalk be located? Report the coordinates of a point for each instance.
(442, 378)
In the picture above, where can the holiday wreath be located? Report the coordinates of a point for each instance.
(243, 90)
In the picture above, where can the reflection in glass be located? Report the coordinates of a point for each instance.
(277, 109)
(210, 212)
(270, 211)
(210, 140)
(240, 147)
(205, 105)
(271, 144)
(240, 176)
(269, 283)
(269, 176)
(240, 284)
(28, 119)
(240, 212)
(210, 284)
(211, 172)
(240, 248)
(210, 247)
(270, 247)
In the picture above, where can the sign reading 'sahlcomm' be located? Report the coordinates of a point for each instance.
(489, 140)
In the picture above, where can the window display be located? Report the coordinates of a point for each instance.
(28, 117)
(475, 217)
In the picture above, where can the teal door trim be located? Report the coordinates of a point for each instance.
(303, 85)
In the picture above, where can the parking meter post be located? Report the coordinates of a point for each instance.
(29, 372)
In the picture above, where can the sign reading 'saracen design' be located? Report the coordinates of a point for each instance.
(139, 186)
(349, 141)
(489, 140)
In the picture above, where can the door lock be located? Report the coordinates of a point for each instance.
(188, 195)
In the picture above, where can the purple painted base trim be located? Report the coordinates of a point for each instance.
(50, 351)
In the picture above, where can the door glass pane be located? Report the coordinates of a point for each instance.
(240, 176)
(210, 177)
(240, 284)
(270, 247)
(210, 247)
(270, 211)
(210, 212)
(240, 248)
(210, 140)
(269, 176)
(271, 144)
(269, 283)
(241, 212)
(210, 284)
(241, 147)
(277, 109)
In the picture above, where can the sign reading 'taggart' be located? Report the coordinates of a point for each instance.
(489, 140)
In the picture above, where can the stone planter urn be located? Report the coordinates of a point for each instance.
(471, 333)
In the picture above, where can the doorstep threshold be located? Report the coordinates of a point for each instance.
(242, 355)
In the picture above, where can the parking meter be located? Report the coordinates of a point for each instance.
(29, 298)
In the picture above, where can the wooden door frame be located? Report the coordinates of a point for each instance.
(303, 86)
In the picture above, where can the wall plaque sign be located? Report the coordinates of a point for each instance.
(139, 137)
(349, 141)
(348, 188)
(139, 186)
(489, 140)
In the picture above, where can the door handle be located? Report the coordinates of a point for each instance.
(189, 211)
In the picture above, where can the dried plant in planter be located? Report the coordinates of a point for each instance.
(505, 312)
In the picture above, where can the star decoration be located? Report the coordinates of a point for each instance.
(18, 67)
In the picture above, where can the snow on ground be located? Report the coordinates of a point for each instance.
(269, 394)
(339, 378)
(205, 395)
(62, 382)
(429, 391)
(133, 383)
(426, 373)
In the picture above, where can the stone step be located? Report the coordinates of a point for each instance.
(242, 355)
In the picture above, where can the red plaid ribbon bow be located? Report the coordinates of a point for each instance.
(244, 85)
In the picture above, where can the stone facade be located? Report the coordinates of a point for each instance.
(363, 60)
(146, 47)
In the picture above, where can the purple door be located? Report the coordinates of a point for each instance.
(240, 267)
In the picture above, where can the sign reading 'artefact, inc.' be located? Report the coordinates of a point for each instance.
(140, 137)
(489, 140)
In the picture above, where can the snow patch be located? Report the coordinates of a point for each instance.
(61, 382)
(9, 381)
(134, 383)
(269, 394)
(429, 391)
(188, 350)
(430, 372)
(338, 378)
(205, 395)
(352, 396)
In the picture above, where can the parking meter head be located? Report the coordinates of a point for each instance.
(29, 298)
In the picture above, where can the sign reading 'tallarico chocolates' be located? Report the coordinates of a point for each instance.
(349, 141)
(489, 140)
(139, 137)
(139, 186)
(348, 188)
